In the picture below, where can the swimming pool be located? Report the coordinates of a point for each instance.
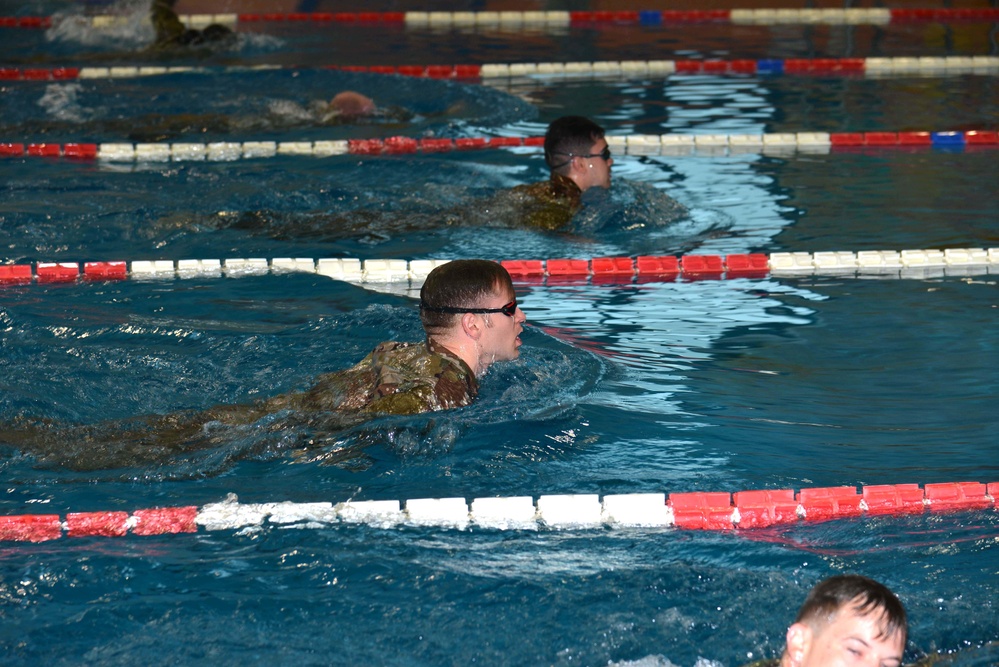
(637, 387)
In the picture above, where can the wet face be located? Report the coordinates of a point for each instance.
(500, 339)
(849, 640)
(594, 172)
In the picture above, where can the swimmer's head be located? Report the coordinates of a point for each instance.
(847, 620)
(352, 104)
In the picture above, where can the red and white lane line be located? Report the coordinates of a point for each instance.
(535, 20)
(745, 510)
(489, 73)
(782, 143)
(916, 264)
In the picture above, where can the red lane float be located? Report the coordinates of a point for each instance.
(105, 271)
(702, 510)
(568, 267)
(15, 274)
(943, 15)
(165, 520)
(894, 499)
(25, 22)
(524, 267)
(30, 528)
(755, 265)
(957, 496)
(760, 509)
(45, 150)
(611, 269)
(61, 272)
(80, 151)
(822, 504)
(702, 266)
(666, 267)
(97, 524)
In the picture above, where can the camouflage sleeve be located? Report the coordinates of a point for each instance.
(541, 207)
(414, 400)
(452, 388)
(445, 389)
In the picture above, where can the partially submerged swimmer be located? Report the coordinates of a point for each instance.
(576, 151)
(579, 158)
(350, 104)
(345, 107)
(171, 33)
(469, 312)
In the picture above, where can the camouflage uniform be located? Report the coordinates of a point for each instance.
(548, 205)
(396, 378)
(171, 33)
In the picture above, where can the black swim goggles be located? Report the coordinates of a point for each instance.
(604, 155)
(509, 309)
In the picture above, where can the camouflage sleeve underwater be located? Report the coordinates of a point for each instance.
(549, 205)
(396, 378)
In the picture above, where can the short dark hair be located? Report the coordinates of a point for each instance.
(866, 596)
(461, 283)
(569, 134)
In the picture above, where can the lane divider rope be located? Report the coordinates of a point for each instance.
(874, 67)
(692, 511)
(917, 264)
(556, 19)
(779, 143)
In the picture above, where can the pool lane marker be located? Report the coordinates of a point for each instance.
(743, 510)
(779, 143)
(915, 264)
(533, 20)
(489, 73)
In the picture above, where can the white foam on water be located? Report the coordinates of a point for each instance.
(129, 26)
(60, 101)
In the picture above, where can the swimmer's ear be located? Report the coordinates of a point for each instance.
(799, 639)
(471, 325)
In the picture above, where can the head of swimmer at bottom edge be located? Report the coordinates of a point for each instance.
(575, 148)
(469, 306)
(847, 621)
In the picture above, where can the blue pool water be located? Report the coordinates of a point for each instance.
(655, 387)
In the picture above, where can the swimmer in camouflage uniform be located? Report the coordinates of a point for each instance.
(171, 33)
(579, 159)
(469, 312)
(575, 151)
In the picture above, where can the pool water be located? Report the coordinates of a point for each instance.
(710, 385)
